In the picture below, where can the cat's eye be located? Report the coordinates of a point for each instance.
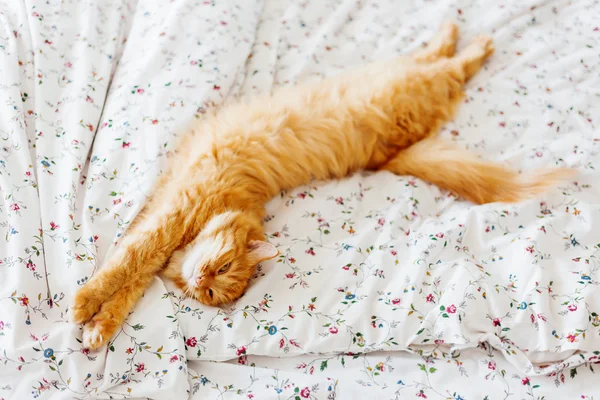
(224, 268)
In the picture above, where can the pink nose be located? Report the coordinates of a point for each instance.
(199, 279)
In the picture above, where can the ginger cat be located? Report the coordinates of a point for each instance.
(206, 217)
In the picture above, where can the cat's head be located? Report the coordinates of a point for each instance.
(217, 265)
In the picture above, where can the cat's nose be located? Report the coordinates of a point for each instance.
(199, 279)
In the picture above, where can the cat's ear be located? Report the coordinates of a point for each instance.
(259, 251)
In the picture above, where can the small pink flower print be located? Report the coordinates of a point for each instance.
(290, 276)
(572, 307)
(292, 260)
(192, 342)
(438, 341)
(541, 316)
(28, 173)
(451, 309)
(140, 367)
(429, 298)
(525, 381)
(310, 251)
(572, 338)
(281, 343)
(302, 195)
(85, 351)
(394, 253)
(53, 226)
(396, 301)
(305, 392)
(140, 91)
(154, 121)
(439, 235)
(68, 64)
(129, 350)
(380, 366)
(333, 330)
(496, 321)
(346, 267)
(492, 365)
(173, 359)
(241, 350)
(529, 249)
(14, 207)
(311, 307)
(421, 395)
(90, 127)
(242, 360)
(30, 265)
(339, 200)
(250, 396)
(412, 183)
(1, 325)
(381, 221)
(125, 145)
(24, 301)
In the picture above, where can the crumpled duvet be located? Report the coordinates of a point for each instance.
(386, 287)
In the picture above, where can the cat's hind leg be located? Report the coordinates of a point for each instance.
(443, 44)
(470, 60)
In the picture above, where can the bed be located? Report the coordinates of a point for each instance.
(386, 287)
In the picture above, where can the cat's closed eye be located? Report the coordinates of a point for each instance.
(224, 268)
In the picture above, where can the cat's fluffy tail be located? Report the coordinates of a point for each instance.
(463, 173)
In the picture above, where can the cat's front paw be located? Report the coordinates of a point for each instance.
(98, 331)
(87, 303)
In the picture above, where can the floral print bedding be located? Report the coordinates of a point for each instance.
(386, 286)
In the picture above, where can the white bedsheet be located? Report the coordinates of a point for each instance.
(386, 286)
